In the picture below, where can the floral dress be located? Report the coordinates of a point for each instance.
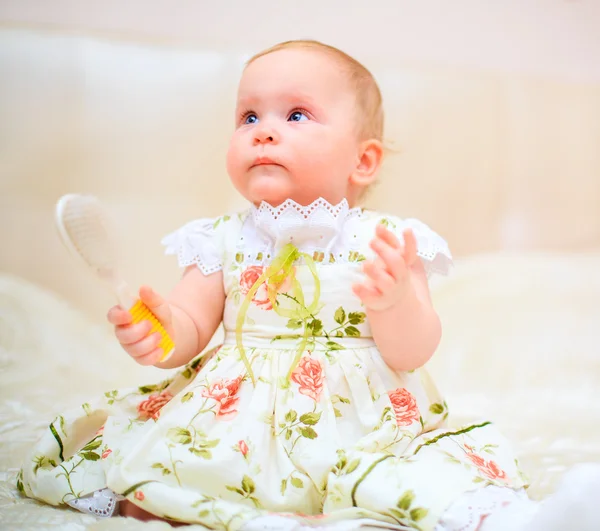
(296, 413)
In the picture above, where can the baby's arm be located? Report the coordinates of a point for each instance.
(404, 324)
(191, 314)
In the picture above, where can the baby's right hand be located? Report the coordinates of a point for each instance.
(134, 338)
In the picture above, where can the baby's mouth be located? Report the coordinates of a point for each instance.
(264, 161)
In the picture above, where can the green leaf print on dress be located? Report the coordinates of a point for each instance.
(301, 426)
(343, 467)
(41, 461)
(314, 329)
(337, 399)
(86, 453)
(405, 513)
(246, 490)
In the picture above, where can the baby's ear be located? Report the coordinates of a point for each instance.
(370, 157)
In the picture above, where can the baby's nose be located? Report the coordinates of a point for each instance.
(265, 135)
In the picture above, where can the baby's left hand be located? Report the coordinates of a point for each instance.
(388, 276)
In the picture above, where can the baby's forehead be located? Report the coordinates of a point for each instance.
(293, 95)
(293, 74)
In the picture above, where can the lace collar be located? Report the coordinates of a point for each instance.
(319, 226)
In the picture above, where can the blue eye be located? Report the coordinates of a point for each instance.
(297, 116)
(251, 119)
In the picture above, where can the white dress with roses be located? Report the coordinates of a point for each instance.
(296, 413)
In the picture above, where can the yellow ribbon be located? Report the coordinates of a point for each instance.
(274, 276)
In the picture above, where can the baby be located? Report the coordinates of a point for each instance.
(316, 407)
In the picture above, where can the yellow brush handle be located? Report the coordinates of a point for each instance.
(140, 312)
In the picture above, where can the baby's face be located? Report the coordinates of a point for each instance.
(296, 134)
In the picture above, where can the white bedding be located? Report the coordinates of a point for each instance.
(521, 346)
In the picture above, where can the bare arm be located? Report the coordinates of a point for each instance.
(408, 332)
(405, 326)
(197, 303)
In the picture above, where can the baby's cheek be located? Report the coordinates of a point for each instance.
(232, 158)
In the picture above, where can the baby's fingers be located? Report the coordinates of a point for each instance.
(367, 293)
(118, 316)
(381, 279)
(151, 358)
(143, 347)
(391, 258)
(388, 237)
(156, 304)
(130, 334)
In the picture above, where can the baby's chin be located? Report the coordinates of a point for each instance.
(271, 189)
(275, 187)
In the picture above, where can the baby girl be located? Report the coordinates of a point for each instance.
(317, 408)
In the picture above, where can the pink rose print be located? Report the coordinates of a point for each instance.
(405, 407)
(248, 279)
(261, 298)
(139, 495)
(106, 453)
(309, 376)
(493, 471)
(150, 408)
(490, 469)
(243, 448)
(224, 392)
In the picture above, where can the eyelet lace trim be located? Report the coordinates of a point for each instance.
(470, 511)
(290, 208)
(102, 503)
(194, 243)
(320, 229)
(328, 233)
(432, 248)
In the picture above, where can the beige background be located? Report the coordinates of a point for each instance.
(493, 111)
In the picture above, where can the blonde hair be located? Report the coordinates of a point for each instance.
(368, 95)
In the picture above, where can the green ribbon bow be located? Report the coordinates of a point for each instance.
(280, 269)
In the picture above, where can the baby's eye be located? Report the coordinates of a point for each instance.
(251, 119)
(297, 116)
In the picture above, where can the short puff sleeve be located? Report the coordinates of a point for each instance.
(431, 247)
(198, 242)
